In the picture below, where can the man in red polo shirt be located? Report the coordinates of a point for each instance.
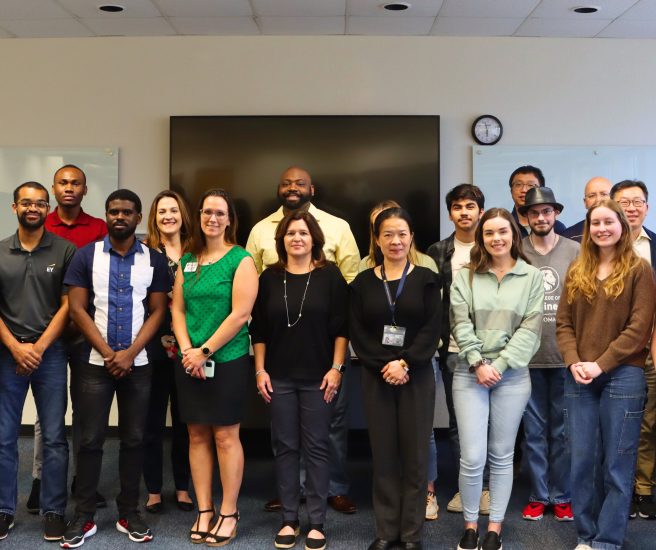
(70, 222)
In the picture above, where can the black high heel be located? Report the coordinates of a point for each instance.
(219, 540)
(316, 544)
(202, 535)
(287, 541)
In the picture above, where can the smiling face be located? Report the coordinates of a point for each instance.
(31, 207)
(627, 199)
(541, 219)
(497, 238)
(298, 240)
(295, 188)
(214, 216)
(168, 217)
(394, 239)
(605, 227)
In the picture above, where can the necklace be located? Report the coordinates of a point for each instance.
(300, 310)
(546, 252)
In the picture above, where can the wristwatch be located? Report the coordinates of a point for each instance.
(480, 362)
(339, 368)
(206, 351)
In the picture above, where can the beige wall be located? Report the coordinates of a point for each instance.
(121, 91)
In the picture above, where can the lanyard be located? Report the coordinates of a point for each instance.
(392, 304)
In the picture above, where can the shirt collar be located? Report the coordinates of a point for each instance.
(136, 247)
(643, 234)
(82, 218)
(278, 215)
(45, 242)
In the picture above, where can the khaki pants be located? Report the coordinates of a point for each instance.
(646, 464)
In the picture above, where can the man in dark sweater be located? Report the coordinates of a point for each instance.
(597, 189)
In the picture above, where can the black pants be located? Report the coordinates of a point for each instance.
(162, 388)
(95, 393)
(300, 423)
(400, 419)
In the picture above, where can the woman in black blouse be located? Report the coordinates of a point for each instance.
(395, 317)
(299, 334)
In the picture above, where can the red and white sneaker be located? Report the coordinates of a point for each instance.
(563, 512)
(134, 527)
(77, 531)
(533, 511)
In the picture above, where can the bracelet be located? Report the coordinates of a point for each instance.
(479, 363)
(187, 349)
(405, 366)
(259, 372)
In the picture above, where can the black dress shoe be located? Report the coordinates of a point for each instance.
(412, 545)
(184, 506)
(155, 508)
(381, 544)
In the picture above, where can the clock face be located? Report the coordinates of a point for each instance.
(487, 130)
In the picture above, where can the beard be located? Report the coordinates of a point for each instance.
(542, 232)
(298, 200)
(31, 224)
(121, 233)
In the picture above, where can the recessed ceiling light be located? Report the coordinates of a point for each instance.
(586, 9)
(397, 6)
(111, 8)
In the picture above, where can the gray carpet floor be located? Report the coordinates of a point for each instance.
(257, 528)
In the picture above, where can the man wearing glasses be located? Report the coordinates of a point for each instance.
(632, 196)
(521, 181)
(33, 314)
(596, 190)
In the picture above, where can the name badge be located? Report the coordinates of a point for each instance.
(191, 267)
(393, 335)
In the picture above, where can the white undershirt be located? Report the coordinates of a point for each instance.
(460, 258)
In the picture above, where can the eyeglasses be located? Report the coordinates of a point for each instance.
(638, 203)
(537, 213)
(207, 214)
(519, 185)
(595, 196)
(26, 203)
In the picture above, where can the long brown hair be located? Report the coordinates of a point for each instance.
(375, 256)
(199, 242)
(479, 258)
(318, 240)
(582, 274)
(153, 237)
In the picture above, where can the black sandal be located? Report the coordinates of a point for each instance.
(219, 540)
(287, 541)
(202, 535)
(316, 544)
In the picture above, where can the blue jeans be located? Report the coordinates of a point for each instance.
(48, 384)
(501, 407)
(547, 452)
(604, 420)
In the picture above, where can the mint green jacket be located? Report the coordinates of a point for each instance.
(501, 321)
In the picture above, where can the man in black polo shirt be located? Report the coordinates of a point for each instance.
(33, 314)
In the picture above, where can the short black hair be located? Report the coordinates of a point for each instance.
(625, 184)
(465, 191)
(31, 185)
(124, 195)
(71, 167)
(528, 169)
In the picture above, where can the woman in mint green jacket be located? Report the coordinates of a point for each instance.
(496, 320)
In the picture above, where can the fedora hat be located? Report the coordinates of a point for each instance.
(537, 196)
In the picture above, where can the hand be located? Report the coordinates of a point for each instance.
(193, 361)
(585, 372)
(330, 384)
(26, 357)
(120, 363)
(487, 375)
(264, 388)
(394, 373)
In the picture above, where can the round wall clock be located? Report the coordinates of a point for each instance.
(487, 130)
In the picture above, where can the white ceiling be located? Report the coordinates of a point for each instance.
(544, 18)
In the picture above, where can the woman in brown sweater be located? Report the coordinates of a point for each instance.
(603, 325)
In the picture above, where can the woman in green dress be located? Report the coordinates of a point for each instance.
(214, 292)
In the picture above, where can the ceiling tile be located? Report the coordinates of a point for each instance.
(130, 26)
(215, 25)
(373, 8)
(561, 27)
(45, 28)
(475, 26)
(305, 26)
(644, 9)
(390, 26)
(487, 8)
(205, 8)
(133, 8)
(561, 9)
(31, 9)
(298, 8)
(629, 28)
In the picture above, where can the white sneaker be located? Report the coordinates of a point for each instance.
(484, 505)
(431, 506)
(583, 547)
(455, 504)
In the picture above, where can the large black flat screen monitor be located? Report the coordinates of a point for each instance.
(355, 162)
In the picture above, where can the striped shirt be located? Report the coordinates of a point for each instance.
(118, 291)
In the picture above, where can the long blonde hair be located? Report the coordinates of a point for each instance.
(582, 274)
(375, 256)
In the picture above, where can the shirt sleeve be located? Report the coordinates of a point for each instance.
(565, 333)
(254, 250)
(347, 255)
(525, 341)
(161, 281)
(423, 346)
(69, 254)
(338, 324)
(78, 273)
(258, 326)
(462, 326)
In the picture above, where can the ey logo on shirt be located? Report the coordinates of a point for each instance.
(50, 268)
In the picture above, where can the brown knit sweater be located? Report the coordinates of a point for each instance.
(611, 332)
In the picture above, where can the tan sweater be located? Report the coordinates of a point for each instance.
(611, 332)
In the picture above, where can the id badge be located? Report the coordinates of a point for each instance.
(191, 267)
(393, 335)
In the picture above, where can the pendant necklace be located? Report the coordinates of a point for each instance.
(300, 311)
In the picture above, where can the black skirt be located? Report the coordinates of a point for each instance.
(218, 401)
